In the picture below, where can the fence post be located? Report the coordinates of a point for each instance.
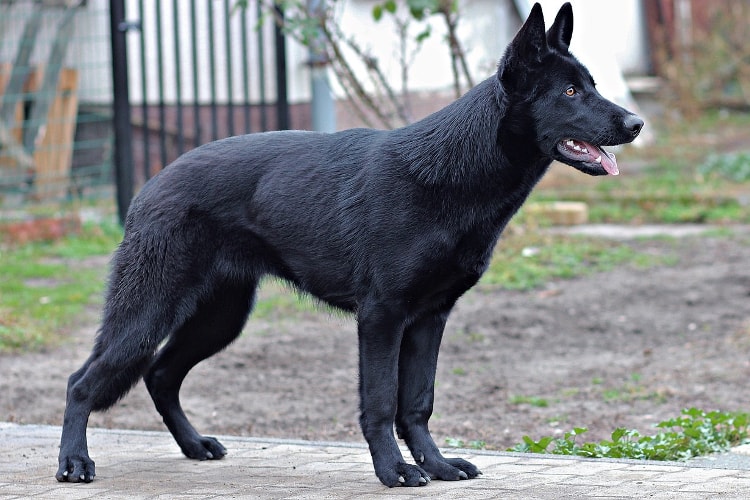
(121, 109)
(282, 102)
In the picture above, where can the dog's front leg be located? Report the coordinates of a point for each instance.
(380, 329)
(416, 394)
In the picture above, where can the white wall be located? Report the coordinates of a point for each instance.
(605, 31)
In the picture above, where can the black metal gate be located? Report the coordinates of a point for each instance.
(189, 72)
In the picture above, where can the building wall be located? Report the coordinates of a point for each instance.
(603, 30)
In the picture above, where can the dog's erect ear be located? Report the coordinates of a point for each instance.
(526, 49)
(530, 42)
(559, 34)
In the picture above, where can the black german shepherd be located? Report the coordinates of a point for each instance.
(393, 226)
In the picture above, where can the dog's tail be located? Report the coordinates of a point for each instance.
(142, 309)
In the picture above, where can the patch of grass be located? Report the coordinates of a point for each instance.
(569, 392)
(667, 192)
(556, 419)
(732, 166)
(632, 390)
(530, 259)
(277, 300)
(529, 400)
(46, 286)
(694, 433)
(688, 175)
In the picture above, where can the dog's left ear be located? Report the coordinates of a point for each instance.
(559, 34)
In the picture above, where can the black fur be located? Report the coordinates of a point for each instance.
(393, 226)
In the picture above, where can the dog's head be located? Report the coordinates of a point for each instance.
(557, 97)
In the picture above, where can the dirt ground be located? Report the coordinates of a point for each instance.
(629, 347)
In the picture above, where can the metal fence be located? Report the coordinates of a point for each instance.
(197, 71)
(98, 93)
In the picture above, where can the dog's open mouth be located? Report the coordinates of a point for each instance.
(589, 154)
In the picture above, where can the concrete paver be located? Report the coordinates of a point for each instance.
(135, 465)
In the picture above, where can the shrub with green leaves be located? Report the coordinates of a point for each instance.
(694, 433)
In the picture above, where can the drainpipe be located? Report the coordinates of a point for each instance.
(323, 106)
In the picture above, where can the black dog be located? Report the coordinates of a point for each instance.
(393, 226)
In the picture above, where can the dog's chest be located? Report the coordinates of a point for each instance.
(448, 270)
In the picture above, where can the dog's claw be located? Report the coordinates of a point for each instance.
(462, 475)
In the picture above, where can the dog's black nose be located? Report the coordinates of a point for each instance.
(633, 124)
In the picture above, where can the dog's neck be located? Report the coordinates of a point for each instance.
(463, 150)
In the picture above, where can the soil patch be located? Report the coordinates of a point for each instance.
(625, 348)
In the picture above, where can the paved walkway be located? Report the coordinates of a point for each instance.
(133, 465)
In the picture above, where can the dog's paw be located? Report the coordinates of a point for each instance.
(451, 469)
(205, 448)
(403, 474)
(75, 469)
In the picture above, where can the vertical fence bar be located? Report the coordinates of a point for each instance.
(123, 154)
(245, 72)
(144, 97)
(261, 71)
(178, 78)
(230, 93)
(160, 78)
(282, 105)
(196, 84)
(212, 69)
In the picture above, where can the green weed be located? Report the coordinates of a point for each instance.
(694, 433)
(529, 400)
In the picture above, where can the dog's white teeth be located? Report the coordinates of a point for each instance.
(577, 147)
(598, 159)
(570, 144)
(584, 150)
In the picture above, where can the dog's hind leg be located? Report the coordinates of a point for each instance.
(416, 390)
(111, 370)
(216, 323)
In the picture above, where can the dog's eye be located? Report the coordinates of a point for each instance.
(571, 91)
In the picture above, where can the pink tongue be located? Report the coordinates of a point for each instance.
(609, 162)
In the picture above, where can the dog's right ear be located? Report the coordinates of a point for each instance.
(526, 49)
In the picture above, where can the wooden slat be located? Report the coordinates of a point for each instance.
(53, 151)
